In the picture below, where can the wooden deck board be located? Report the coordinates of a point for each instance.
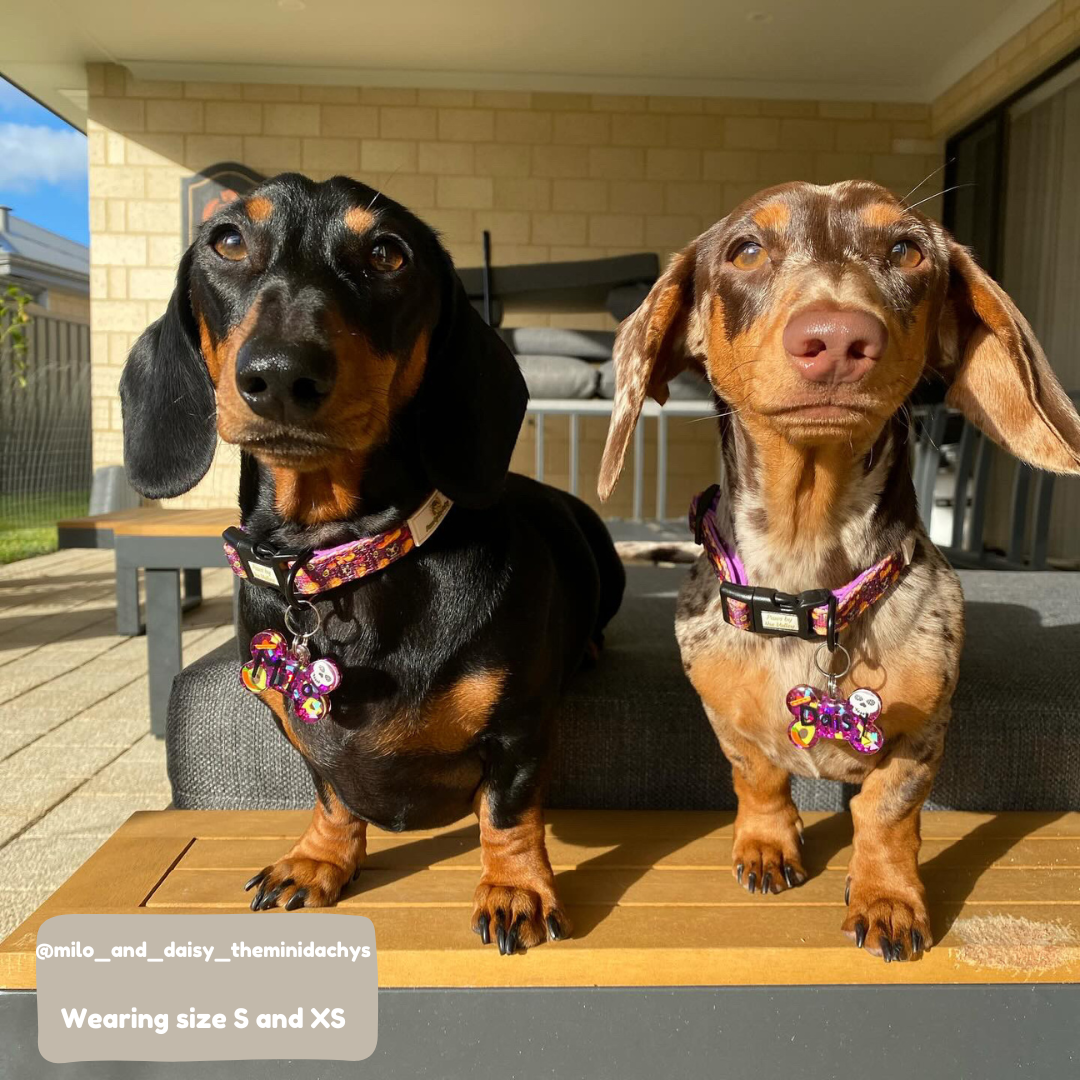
(651, 896)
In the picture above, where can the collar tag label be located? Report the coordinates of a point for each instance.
(778, 620)
(426, 520)
(263, 573)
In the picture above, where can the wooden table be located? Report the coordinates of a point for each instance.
(654, 908)
(98, 531)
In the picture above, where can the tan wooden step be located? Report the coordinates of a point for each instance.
(651, 896)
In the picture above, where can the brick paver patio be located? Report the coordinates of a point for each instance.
(76, 756)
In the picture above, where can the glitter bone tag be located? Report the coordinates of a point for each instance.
(821, 716)
(275, 665)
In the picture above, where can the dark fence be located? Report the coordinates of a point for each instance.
(45, 439)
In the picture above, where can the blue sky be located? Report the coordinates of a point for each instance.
(42, 166)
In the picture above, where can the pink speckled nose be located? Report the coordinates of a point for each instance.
(834, 346)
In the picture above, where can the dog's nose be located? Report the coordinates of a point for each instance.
(835, 346)
(284, 382)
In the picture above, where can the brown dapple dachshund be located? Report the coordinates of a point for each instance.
(815, 312)
(322, 329)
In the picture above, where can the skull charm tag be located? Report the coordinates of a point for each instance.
(275, 665)
(822, 716)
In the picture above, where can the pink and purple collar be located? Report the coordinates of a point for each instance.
(811, 614)
(322, 570)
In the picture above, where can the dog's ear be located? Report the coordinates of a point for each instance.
(471, 402)
(168, 402)
(997, 373)
(651, 348)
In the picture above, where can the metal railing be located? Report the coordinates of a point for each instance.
(574, 410)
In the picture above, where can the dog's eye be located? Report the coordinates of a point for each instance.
(230, 244)
(386, 256)
(905, 254)
(749, 256)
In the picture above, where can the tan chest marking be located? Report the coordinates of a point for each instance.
(448, 722)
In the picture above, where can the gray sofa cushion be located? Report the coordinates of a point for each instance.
(686, 386)
(558, 376)
(633, 734)
(555, 341)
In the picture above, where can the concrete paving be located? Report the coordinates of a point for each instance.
(76, 756)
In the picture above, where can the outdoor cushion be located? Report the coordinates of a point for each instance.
(556, 341)
(558, 376)
(633, 734)
(686, 386)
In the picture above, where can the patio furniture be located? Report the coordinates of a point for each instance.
(671, 968)
(616, 285)
(167, 545)
(632, 733)
(99, 531)
(1030, 503)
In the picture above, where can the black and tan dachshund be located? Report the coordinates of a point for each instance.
(322, 329)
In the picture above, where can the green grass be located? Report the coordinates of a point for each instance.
(16, 544)
(28, 525)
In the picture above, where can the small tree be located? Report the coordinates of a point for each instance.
(14, 322)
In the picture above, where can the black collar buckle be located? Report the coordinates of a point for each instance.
(778, 614)
(272, 568)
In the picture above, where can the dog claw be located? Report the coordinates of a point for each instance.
(296, 900)
(886, 949)
(751, 882)
(789, 877)
(916, 942)
(514, 936)
(766, 883)
(898, 951)
(483, 928)
(739, 873)
(554, 929)
(255, 880)
(500, 932)
(860, 934)
(847, 892)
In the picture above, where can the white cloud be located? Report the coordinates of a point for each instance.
(31, 154)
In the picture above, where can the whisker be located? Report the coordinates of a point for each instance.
(944, 191)
(385, 183)
(945, 165)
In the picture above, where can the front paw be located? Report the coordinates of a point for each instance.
(517, 917)
(890, 922)
(769, 857)
(295, 882)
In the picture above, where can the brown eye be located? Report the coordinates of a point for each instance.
(231, 245)
(905, 254)
(386, 256)
(750, 256)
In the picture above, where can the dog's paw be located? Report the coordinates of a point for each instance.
(516, 917)
(295, 882)
(890, 923)
(769, 859)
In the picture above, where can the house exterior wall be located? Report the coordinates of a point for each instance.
(1044, 41)
(553, 176)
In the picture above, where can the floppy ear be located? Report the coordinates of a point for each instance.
(472, 402)
(168, 402)
(650, 350)
(998, 374)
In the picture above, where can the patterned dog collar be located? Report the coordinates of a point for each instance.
(766, 611)
(320, 571)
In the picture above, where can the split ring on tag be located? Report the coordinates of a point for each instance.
(829, 716)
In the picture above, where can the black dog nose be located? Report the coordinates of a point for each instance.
(284, 382)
